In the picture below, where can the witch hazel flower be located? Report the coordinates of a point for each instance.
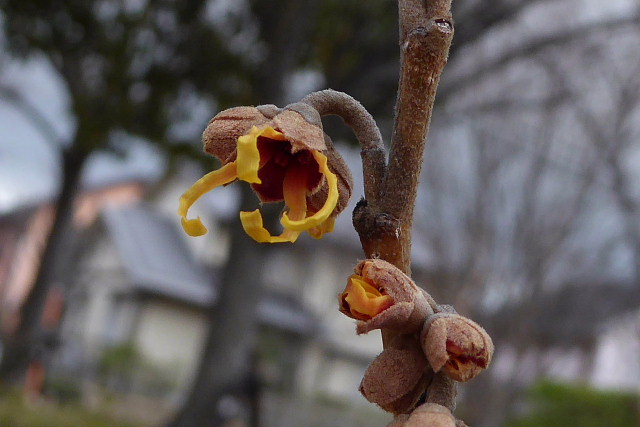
(284, 155)
(379, 295)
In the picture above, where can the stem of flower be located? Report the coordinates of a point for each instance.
(331, 102)
(443, 391)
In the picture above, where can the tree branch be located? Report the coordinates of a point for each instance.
(384, 224)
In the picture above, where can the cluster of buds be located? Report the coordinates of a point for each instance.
(284, 155)
(427, 340)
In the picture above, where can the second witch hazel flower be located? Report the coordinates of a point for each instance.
(284, 155)
(379, 295)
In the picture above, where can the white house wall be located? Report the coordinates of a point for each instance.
(101, 279)
(171, 335)
(617, 364)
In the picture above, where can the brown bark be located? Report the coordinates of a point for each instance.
(384, 225)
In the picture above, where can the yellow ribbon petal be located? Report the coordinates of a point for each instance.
(216, 178)
(248, 154)
(365, 301)
(329, 205)
(253, 226)
(249, 157)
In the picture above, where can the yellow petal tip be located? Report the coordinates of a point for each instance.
(224, 175)
(193, 227)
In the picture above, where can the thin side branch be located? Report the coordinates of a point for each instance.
(331, 102)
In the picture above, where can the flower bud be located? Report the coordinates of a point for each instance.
(456, 345)
(431, 415)
(379, 296)
(398, 377)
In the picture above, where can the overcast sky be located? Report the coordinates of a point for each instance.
(28, 161)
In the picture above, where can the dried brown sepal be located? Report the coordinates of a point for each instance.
(221, 135)
(220, 138)
(398, 377)
(409, 308)
(431, 415)
(456, 345)
(299, 132)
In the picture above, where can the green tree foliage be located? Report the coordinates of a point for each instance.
(561, 405)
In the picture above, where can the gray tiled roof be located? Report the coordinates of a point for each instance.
(156, 257)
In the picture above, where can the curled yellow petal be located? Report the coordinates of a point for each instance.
(365, 301)
(248, 154)
(253, 226)
(216, 178)
(329, 205)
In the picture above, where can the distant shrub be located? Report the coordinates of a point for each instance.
(562, 405)
(123, 369)
(64, 390)
(15, 411)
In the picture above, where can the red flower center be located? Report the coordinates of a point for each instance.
(276, 162)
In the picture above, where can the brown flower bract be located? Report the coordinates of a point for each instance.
(220, 138)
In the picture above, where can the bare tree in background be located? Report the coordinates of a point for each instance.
(487, 213)
(514, 207)
(125, 69)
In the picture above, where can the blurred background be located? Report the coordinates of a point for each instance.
(528, 217)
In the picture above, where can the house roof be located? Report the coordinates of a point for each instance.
(155, 255)
(158, 261)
